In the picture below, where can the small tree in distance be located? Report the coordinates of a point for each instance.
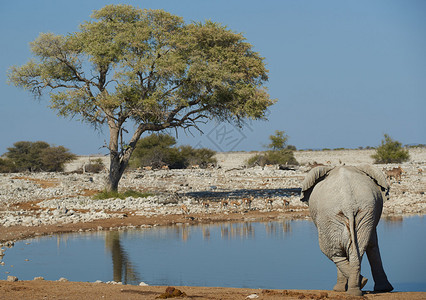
(390, 151)
(278, 141)
(147, 67)
(36, 157)
(278, 153)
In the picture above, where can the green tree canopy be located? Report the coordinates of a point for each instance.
(278, 141)
(149, 67)
(390, 151)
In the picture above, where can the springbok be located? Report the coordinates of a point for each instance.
(268, 202)
(235, 203)
(206, 205)
(224, 203)
(286, 203)
(185, 209)
(247, 202)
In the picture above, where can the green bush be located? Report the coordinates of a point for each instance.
(37, 157)
(281, 157)
(157, 150)
(6, 166)
(390, 151)
(53, 159)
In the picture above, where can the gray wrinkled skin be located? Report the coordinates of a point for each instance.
(345, 204)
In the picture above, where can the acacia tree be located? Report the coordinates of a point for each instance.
(147, 67)
(278, 141)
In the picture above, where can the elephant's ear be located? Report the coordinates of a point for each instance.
(312, 178)
(378, 177)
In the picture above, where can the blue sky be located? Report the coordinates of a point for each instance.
(344, 72)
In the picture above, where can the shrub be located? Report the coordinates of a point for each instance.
(390, 151)
(53, 158)
(95, 166)
(202, 157)
(37, 156)
(156, 151)
(281, 157)
(6, 166)
(257, 160)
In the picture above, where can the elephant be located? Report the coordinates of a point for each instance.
(345, 203)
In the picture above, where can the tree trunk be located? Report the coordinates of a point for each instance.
(117, 167)
(115, 173)
(118, 163)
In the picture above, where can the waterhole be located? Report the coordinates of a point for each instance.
(268, 255)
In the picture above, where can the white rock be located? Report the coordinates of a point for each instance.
(39, 278)
(12, 278)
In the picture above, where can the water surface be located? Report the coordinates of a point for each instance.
(272, 255)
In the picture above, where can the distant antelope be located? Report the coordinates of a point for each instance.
(224, 203)
(185, 209)
(395, 172)
(419, 171)
(235, 203)
(147, 168)
(206, 206)
(268, 203)
(286, 203)
(247, 202)
(165, 167)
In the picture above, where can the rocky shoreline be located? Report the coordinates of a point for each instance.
(36, 199)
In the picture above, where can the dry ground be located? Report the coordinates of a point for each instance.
(77, 290)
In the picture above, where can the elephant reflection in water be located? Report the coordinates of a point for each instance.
(123, 270)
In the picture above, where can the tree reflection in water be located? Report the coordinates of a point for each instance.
(273, 228)
(123, 270)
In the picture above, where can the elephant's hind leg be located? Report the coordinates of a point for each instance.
(381, 283)
(348, 277)
(342, 282)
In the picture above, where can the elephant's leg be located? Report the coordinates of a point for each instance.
(342, 282)
(381, 283)
(348, 274)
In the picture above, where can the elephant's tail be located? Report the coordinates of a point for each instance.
(354, 240)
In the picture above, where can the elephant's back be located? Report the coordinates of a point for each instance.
(345, 188)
